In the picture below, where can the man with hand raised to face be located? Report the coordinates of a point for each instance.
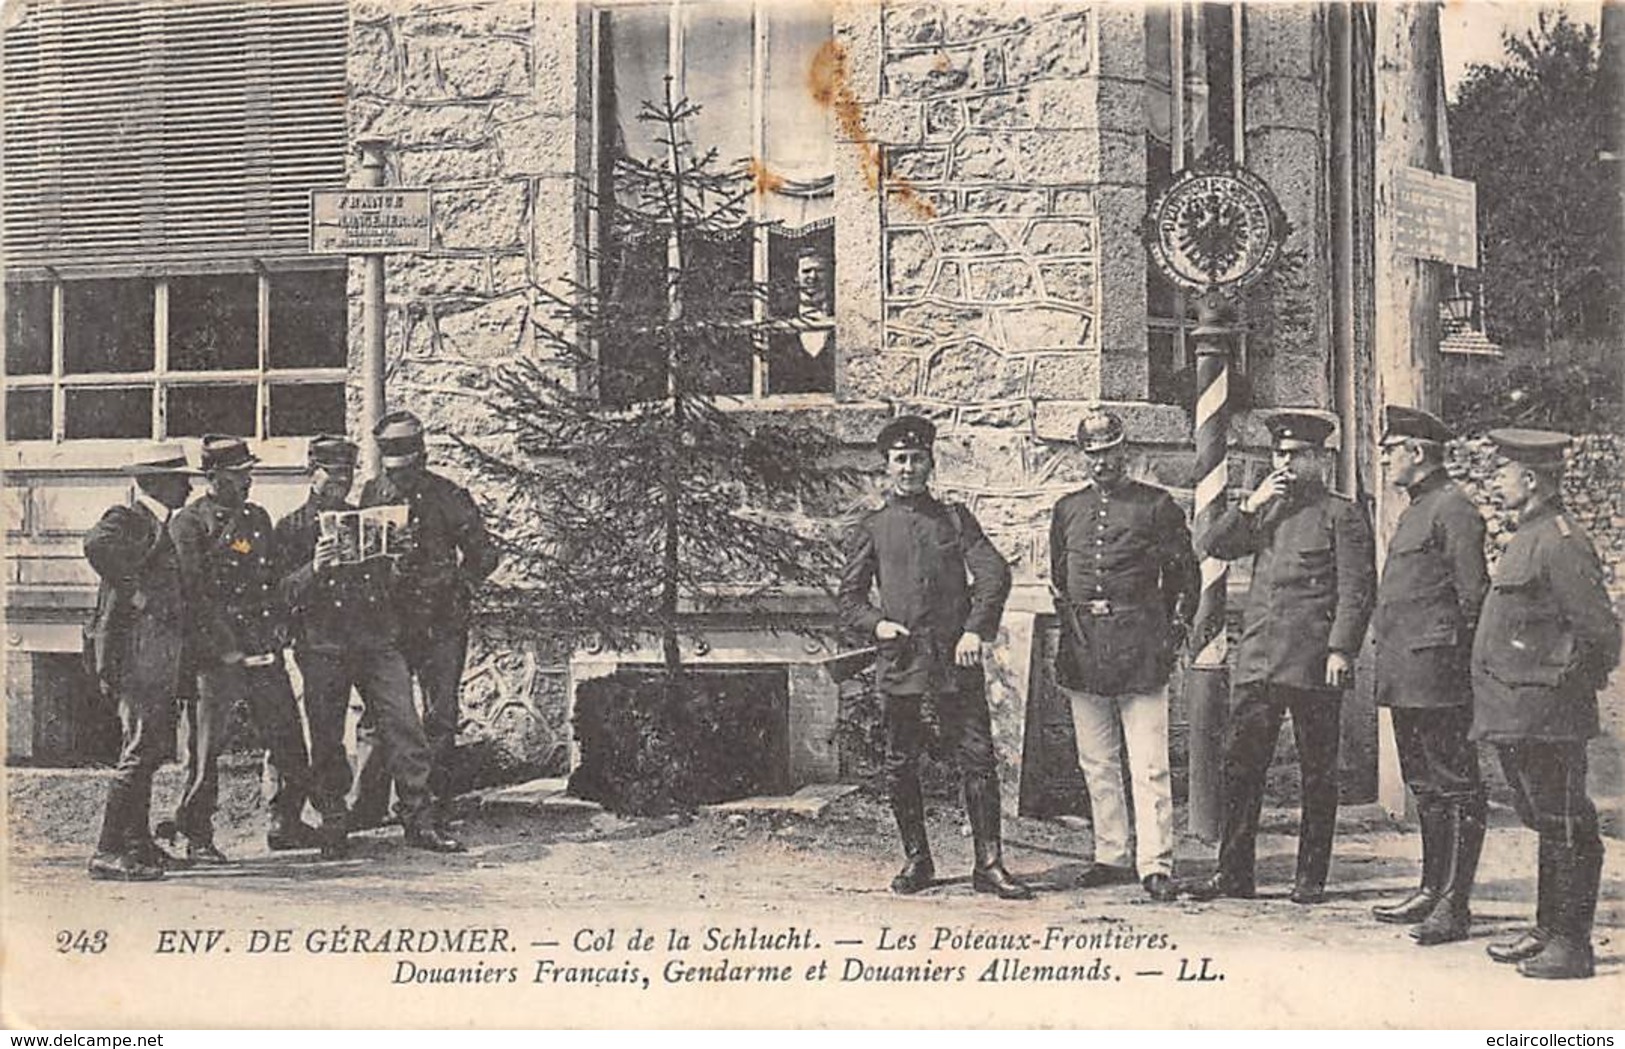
(941, 587)
(1314, 573)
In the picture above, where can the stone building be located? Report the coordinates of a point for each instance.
(965, 182)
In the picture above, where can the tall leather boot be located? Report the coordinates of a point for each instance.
(909, 809)
(1548, 897)
(1568, 955)
(989, 875)
(1435, 831)
(1451, 918)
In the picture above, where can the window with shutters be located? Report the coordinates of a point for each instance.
(749, 67)
(158, 164)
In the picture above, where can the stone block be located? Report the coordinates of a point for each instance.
(1144, 422)
(916, 165)
(970, 372)
(913, 25)
(425, 276)
(1076, 201)
(944, 117)
(1061, 237)
(909, 262)
(509, 273)
(407, 125)
(910, 342)
(1071, 281)
(992, 156)
(373, 63)
(498, 328)
(1284, 102)
(859, 42)
(972, 22)
(906, 204)
(1060, 157)
(1056, 48)
(1279, 40)
(1120, 41)
(538, 145)
(437, 165)
(447, 67)
(1015, 514)
(1000, 280)
(990, 60)
(968, 238)
(950, 282)
(896, 122)
(476, 19)
(929, 74)
(14, 508)
(882, 376)
(1027, 328)
(941, 320)
(61, 509)
(1002, 200)
(1017, 415)
(1300, 378)
(981, 458)
(1124, 375)
(1057, 463)
(1004, 110)
(491, 217)
(1065, 376)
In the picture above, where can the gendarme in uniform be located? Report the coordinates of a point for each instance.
(1547, 640)
(941, 587)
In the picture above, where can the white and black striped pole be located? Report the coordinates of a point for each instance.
(1208, 687)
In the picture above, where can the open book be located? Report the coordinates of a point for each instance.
(366, 534)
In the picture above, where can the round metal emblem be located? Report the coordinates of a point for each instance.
(1215, 228)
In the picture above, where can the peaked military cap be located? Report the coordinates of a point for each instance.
(224, 452)
(400, 438)
(1099, 430)
(1405, 423)
(327, 450)
(1532, 447)
(161, 459)
(1299, 429)
(906, 431)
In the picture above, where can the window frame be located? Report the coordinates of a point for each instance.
(764, 325)
(161, 378)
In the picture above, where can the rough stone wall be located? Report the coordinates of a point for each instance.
(484, 103)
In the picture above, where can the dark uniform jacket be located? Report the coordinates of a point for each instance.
(340, 608)
(138, 636)
(452, 552)
(1313, 573)
(1547, 638)
(1433, 582)
(1123, 562)
(229, 573)
(917, 550)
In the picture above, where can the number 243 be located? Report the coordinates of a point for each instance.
(83, 941)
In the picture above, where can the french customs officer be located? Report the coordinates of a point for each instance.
(449, 557)
(1305, 616)
(345, 635)
(930, 626)
(1433, 582)
(136, 645)
(1547, 640)
(1126, 582)
(227, 555)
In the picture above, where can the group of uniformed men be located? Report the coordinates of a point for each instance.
(198, 601)
(1460, 658)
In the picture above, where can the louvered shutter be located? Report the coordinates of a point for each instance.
(152, 134)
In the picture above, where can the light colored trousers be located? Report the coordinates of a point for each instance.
(1144, 720)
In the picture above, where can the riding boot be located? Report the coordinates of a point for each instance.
(1568, 955)
(989, 875)
(1435, 834)
(1548, 896)
(1450, 917)
(909, 808)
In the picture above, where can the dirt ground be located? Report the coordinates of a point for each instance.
(560, 882)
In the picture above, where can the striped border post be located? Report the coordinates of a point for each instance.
(1208, 685)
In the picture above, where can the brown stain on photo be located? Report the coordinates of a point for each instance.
(829, 84)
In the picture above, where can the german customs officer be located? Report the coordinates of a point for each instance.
(1305, 617)
(346, 635)
(136, 645)
(1433, 582)
(1547, 641)
(1125, 582)
(227, 552)
(930, 627)
(449, 556)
